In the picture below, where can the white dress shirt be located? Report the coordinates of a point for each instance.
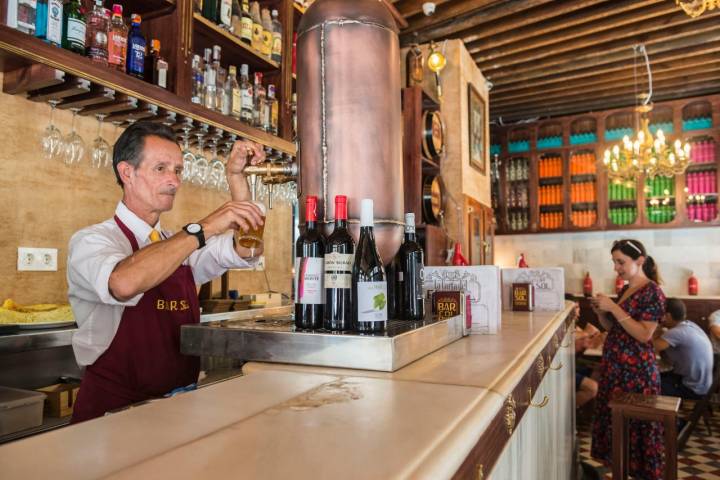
(93, 254)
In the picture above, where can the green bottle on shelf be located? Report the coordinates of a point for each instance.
(73, 38)
(211, 10)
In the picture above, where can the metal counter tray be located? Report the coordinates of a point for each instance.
(274, 339)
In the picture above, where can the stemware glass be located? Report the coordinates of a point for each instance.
(73, 144)
(200, 167)
(188, 155)
(212, 179)
(101, 152)
(51, 140)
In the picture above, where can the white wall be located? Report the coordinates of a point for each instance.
(676, 251)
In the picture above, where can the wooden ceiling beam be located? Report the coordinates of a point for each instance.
(609, 29)
(617, 100)
(702, 34)
(687, 58)
(442, 25)
(604, 83)
(652, 31)
(596, 16)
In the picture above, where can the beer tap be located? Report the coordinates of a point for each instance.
(270, 173)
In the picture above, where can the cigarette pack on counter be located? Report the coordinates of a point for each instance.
(548, 283)
(480, 283)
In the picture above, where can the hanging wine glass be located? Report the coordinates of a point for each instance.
(188, 156)
(102, 151)
(212, 180)
(200, 167)
(73, 144)
(51, 140)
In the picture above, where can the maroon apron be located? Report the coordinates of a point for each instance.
(143, 361)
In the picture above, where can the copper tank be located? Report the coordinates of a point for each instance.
(349, 114)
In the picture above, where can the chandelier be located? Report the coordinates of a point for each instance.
(645, 154)
(695, 8)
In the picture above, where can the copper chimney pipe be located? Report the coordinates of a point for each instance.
(349, 114)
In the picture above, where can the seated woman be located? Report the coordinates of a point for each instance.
(689, 350)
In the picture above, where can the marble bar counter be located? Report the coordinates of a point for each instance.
(482, 407)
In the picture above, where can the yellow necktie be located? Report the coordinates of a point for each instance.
(154, 236)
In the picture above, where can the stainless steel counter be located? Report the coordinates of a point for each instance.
(274, 339)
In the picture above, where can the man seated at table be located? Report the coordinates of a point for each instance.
(714, 321)
(689, 351)
(586, 388)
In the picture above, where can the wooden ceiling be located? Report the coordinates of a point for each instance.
(558, 57)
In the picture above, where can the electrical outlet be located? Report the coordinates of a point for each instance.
(260, 265)
(37, 259)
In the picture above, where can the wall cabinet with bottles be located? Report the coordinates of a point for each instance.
(156, 51)
(580, 197)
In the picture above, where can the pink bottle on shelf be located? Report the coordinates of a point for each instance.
(691, 212)
(690, 178)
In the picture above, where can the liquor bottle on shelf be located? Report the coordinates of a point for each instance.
(233, 88)
(211, 10)
(198, 81)
(225, 14)
(309, 255)
(339, 258)
(136, 49)
(220, 76)
(276, 52)
(369, 283)
(246, 24)
(156, 67)
(247, 99)
(408, 275)
(48, 21)
(74, 27)
(273, 111)
(236, 18)
(117, 40)
(258, 100)
(267, 35)
(257, 32)
(96, 34)
(210, 82)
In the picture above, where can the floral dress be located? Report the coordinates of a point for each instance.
(630, 366)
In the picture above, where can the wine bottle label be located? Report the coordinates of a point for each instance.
(372, 302)
(338, 270)
(277, 44)
(246, 28)
(76, 31)
(226, 12)
(117, 45)
(162, 78)
(257, 33)
(54, 22)
(246, 99)
(236, 102)
(137, 58)
(267, 42)
(309, 281)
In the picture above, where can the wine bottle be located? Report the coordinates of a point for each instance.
(339, 258)
(309, 254)
(369, 283)
(408, 275)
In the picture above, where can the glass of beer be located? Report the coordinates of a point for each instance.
(253, 238)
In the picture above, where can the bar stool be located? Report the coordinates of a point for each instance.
(657, 408)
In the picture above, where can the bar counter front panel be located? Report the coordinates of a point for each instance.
(444, 415)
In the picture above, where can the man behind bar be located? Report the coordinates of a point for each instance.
(132, 284)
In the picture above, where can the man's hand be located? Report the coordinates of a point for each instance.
(232, 216)
(244, 152)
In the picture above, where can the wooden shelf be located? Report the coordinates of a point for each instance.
(146, 8)
(18, 49)
(234, 50)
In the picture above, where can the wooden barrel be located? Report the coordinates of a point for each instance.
(433, 140)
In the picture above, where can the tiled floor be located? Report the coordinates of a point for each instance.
(699, 460)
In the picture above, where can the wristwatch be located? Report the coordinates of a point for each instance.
(196, 230)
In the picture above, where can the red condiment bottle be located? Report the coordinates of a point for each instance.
(587, 285)
(693, 286)
(458, 260)
(619, 284)
(521, 261)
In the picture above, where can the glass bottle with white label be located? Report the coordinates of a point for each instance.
(369, 283)
(339, 258)
(309, 256)
(73, 38)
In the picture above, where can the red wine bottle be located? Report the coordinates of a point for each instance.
(408, 275)
(369, 283)
(339, 258)
(309, 255)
